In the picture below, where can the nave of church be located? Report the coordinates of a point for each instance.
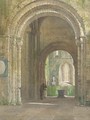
(44, 41)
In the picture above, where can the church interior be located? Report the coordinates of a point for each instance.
(44, 59)
(44, 41)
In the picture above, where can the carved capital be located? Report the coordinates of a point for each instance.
(80, 41)
(19, 42)
(15, 41)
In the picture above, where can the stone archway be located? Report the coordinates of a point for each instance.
(28, 12)
(51, 48)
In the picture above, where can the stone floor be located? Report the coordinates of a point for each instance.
(48, 109)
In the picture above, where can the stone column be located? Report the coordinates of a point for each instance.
(81, 67)
(14, 67)
(37, 52)
(9, 70)
(82, 71)
(76, 78)
(19, 45)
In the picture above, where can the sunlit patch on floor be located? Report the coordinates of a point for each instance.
(35, 103)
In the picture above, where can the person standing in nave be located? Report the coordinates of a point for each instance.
(42, 90)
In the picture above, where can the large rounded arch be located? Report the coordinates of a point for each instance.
(36, 9)
(28, 12)
(49, 49)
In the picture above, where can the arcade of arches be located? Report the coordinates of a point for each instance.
(35, 30)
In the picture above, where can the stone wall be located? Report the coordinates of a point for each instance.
(3, 70)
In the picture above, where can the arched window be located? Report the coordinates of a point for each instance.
(66, 72)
